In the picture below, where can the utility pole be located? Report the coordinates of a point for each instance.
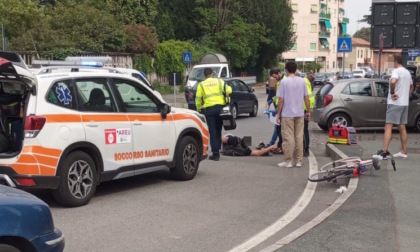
(3, 37)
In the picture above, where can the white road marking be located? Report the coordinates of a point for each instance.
(321, 217)
(288, 217)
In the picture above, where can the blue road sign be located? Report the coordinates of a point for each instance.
(187, 57)
(413, 54)
(344, 45)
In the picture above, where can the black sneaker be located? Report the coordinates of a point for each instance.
(214, 158)
(383, 153)
(261, 146)
(306, 153)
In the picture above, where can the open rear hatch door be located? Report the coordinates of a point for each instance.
(12, 67)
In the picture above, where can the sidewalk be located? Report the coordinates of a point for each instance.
(403, 187)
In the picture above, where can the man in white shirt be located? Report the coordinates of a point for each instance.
(400, 88)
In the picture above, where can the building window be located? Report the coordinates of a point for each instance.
(294, 47)
(313, 47)
(361, 56)
(294, 27)
(314, 28)
(314, 8)
(333, 64)
(328, 65)
(335, 13)
(334, 48)
(294, 7)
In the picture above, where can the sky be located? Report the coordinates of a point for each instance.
(355, 10)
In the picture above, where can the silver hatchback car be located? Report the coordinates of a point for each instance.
(358, 103)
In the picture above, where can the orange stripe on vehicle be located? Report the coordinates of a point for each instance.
(42, 160)
(194, 118)
(148, 117)
(27, 158)
(105, 118)
(26, 169)
(205, 141)
(62, 118)
(47, 170)
(42, 151)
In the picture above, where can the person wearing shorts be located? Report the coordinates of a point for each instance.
(400, 88)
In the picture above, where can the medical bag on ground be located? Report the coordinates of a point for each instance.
(342, 135)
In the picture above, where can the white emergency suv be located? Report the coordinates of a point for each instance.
(70, 131)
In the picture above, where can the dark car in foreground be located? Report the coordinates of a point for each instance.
(243, 99)
(359, 103)
(26, 223)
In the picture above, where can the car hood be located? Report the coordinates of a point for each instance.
(23, 214)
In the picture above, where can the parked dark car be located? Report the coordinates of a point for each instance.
(27, 223)
(243, 99)
(320, 79)
(371, 75)
(358, 103)
(346, 75)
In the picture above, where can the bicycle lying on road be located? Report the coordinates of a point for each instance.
(346, 167)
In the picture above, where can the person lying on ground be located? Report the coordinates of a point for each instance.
(235, 146)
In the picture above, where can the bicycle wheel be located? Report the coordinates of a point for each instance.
(341, 163)
(328, 175)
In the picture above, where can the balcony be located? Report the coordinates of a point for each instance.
(346, 20)
(324, 34)
(343, 35)
(324, 16)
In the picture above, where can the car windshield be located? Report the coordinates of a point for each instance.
(197, 73)
(319, 75)
(357, 71)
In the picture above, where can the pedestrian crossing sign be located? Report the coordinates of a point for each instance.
(344, 45)
(186, 57)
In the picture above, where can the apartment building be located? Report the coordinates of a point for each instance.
(317, 25)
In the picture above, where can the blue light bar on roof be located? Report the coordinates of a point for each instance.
(92, 63)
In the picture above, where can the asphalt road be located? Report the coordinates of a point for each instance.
(228, 203)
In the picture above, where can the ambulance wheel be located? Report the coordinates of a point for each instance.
(78, 180)
(234, 110)
(186, 159)
(254, 111)
(339, 118)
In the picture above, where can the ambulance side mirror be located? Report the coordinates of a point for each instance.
(165, 110)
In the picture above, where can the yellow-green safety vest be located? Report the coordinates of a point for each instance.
(311, 96)
(210, 93)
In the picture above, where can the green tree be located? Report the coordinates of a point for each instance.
(19, 16)
(182, 18)
(164, 27)
(277, 17)
(79, 27)
(363, 33)
(240, 41)
(168, 57)
(133, 11)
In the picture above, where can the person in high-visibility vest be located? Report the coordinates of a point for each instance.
(212, 94)
(306, 122)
